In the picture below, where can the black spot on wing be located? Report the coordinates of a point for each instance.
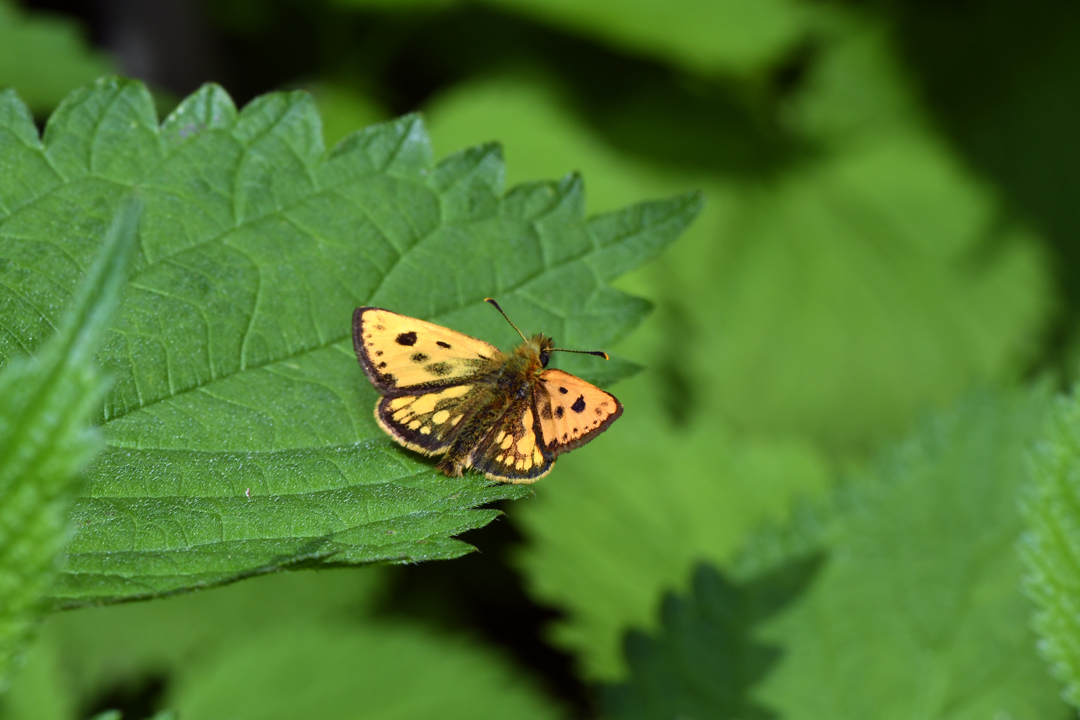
(546, 412)
(440, 369)
(563, 390)
(579, 404)
(419, 357)
(406, 338)
(441, 344)
(382, 365)
(559, 412)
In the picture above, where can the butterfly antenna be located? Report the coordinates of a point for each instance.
(597, 353)
(492, 301)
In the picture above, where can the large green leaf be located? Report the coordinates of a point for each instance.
(285, 645)
(707, 661)
(46, 404)
(918, 610)
(90, 653)
(1051, 545)
(239, 435)
(374, 670)
(43, 57)
(627, 521)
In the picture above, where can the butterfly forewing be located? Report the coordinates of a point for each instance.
(513, 451)
(571, 411)
(402, 353)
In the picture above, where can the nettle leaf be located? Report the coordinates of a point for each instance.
(1051, 544)
(46, 405)
(917, 611)
(240, 436)
(628, 522)
(706, 660)
(43, 57)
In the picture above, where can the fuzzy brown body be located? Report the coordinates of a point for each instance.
(451, 395)
(510, 381)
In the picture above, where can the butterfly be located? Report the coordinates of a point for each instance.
(446, 394)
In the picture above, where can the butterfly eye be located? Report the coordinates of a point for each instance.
(544, 355)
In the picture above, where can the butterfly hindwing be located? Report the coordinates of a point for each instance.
(571, 410)
(514, 450)
(401, 353)
(426, 422)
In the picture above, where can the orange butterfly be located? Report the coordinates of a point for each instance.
(445, 393)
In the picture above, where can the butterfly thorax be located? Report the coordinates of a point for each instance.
(511, 383)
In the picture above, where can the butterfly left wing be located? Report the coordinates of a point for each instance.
(400, 353)
(571, 411)
(513, 451)
(426, 422)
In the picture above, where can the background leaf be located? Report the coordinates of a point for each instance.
(46, 403)
(239, 434)
(1052, 543)
(917, 611)
(706, 660)
(733, 36)
(627, 523)
(44, 58)
(312, 632)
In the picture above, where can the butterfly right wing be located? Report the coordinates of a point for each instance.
(572, 411)
(399, 353)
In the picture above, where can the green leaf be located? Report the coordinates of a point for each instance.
(46, 404)
(44, 58)
(240, 437)
(86, 654)
(374, 670)
(705, 661)
(918, 611)
(627, 520)
(1051, 545)
(742, 37)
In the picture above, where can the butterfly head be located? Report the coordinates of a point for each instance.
(544, 347)
(541, 346)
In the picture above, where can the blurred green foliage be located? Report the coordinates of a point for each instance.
(837, 373)
(46, 403)
(44, 57)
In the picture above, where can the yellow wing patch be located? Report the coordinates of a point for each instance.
(513, 451)
(571, 410)
(426, 422)
(399, 352)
